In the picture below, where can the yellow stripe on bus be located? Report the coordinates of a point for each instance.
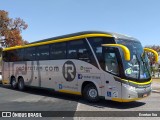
(5, 82)
(59, 40)
(125, 100)
(138, 83)
(144, 83)
(70, 92)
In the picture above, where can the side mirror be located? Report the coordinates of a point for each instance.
(124, 49)
(152, 51)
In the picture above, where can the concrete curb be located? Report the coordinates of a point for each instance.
(156, 91)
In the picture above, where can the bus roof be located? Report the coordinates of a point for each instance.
(112, 34)
(73, 36)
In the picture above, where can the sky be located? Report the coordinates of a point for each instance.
(50, 18)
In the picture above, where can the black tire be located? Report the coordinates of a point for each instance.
(21, 85)
(13, 83)
(90, 93)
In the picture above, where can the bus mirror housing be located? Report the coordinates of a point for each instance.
(124, 49)
(152, 51)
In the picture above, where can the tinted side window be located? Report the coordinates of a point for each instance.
(96, 45)
(73, 49)
(12, 55)
(30, 54)
(19, 54)
(43, 52)
(58, 51)
(5, 56)
(79, 49)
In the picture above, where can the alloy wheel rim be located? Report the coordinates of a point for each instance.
(93, 93)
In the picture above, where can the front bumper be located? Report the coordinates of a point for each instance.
(130, 93)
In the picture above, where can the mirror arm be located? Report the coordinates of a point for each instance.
(152, 51)
(124, 49)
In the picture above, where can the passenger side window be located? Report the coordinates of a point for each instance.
(30, 54)
(58, 51)
(96, 45)
(9, 56)
(5, 56)
(43, 52)
(77, 50)
(73, 49)
(80, 50)
(13, 55)
(19, 54)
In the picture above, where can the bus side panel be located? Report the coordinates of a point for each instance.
(67, 76)
(30, 73)
(27, 70)
(5, 72)
(50, 75)
(90, 73)
(113, 87)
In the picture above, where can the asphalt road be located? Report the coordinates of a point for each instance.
(34, 99)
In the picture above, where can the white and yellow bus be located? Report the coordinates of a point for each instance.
(92, 64)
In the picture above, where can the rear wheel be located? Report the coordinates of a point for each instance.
(13, 83)
(21, 85)
(90, 93)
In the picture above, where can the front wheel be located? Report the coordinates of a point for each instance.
(90, 93)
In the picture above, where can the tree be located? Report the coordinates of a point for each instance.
(152, 59)
(150, 55)
(10, 30)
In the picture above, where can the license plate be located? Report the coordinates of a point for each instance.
(145, 95)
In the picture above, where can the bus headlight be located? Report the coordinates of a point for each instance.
(129, 87)
(132, 88)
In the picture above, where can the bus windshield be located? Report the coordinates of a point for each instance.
(137, 68)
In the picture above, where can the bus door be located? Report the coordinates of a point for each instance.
(112, 67)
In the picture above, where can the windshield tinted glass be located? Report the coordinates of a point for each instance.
(137, 67)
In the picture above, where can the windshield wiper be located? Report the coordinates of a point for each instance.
(139, 66)
(144, 64)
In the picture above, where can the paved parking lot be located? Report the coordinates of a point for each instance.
(46, 100)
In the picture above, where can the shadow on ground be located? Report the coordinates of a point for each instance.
(101, 104)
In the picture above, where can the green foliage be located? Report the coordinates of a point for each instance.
(10, 29)
(154, 69)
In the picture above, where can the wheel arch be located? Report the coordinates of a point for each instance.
(12, 76)
(19, 78)
(92, 82)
